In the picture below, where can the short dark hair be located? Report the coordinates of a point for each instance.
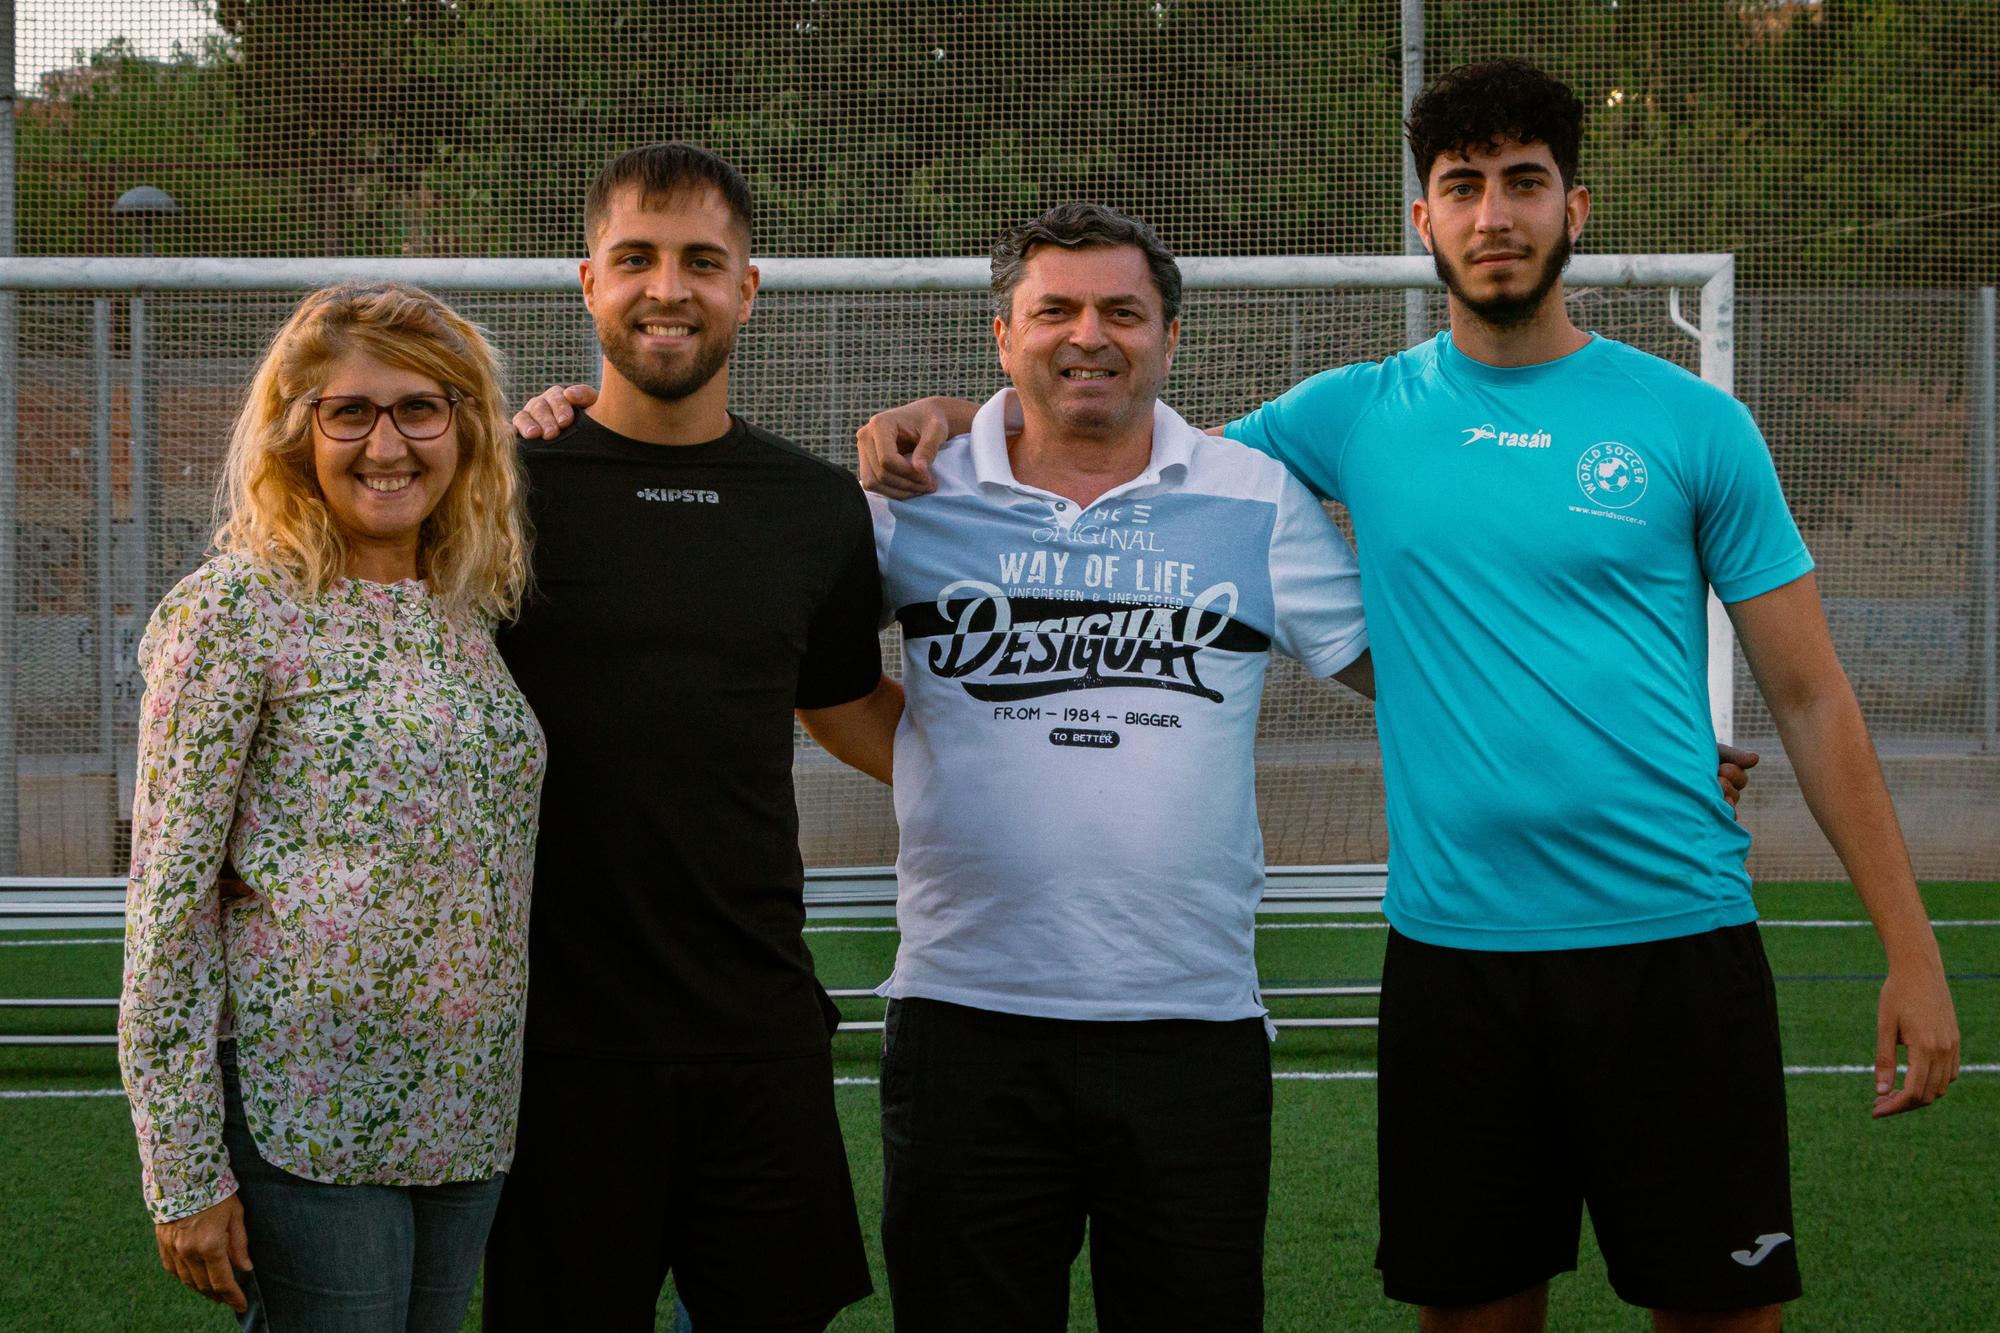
(1476, 106)
(660, 171)
(1082, 227)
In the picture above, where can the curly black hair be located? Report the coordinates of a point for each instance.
(1476, 106)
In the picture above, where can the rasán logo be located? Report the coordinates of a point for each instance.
(1507, 439)
(1612, 475)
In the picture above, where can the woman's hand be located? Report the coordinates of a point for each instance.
(207, 1250)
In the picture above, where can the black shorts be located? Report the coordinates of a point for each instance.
(1643, 1080)
(1002, 1135)
(730, 1173)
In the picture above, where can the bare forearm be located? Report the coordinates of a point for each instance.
(1828, 743)
(861, 734)
(1785, 640)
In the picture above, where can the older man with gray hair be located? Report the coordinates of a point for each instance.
(1074, 1030)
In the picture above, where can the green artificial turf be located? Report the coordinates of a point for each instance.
(1895, 1219)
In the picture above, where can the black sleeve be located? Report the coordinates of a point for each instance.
(843, 658)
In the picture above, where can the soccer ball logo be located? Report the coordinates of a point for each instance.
(1612, 475)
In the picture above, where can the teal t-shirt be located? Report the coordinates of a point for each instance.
(1536, 547)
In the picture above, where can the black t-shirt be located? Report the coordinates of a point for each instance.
(686, 599)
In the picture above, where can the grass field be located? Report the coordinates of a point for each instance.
(1897, 1221)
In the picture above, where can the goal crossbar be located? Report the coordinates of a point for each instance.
(48, 273)
(1714, 275)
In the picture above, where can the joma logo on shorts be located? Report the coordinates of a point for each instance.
(1765, 1244)
(679, 496)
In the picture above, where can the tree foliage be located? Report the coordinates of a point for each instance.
(1834, 142)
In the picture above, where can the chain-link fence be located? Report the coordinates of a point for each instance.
(1844, 152)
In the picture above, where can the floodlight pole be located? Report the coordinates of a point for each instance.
(10, 334)
(1415, 326)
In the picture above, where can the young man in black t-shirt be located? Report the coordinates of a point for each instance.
(698, 579)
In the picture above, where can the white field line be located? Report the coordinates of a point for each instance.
(1850, 925)
(1869, 1069)
(1368, 1075)
(1282, 1076)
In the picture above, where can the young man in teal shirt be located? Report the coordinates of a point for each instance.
(1574, 989)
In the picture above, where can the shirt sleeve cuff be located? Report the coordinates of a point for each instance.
(188, 1202)
(1336, 660)
(843, 692)
(1757, 582)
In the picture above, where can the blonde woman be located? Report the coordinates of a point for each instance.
(324, 1074)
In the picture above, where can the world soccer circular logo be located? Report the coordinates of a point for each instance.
(1612, 475)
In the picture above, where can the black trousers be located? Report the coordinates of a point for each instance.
(731, 1174)
(1003, 1134)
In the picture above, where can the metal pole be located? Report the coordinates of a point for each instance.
(1986, 402)
(1718, 367)
(100, 440)
(832, 377)
(1296, 363)
(1415, 326)
(10, 335)
(142, 465)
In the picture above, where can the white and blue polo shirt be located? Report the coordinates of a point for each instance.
(1538, 547)
(1075, 779)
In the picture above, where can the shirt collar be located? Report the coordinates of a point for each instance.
(1174, 441)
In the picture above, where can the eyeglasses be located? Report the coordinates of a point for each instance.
(421, 416)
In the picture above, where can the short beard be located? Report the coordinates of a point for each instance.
(667, 383)
(1507, 312)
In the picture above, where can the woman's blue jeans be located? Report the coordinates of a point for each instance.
(352, 1258)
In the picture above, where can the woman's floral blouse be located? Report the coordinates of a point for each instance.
(368, 765)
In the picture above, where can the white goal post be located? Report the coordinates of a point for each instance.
(831, 891)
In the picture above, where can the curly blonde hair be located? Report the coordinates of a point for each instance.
(473, 549)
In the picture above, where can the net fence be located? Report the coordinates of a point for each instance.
(1844, 152)
(1822, 142)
